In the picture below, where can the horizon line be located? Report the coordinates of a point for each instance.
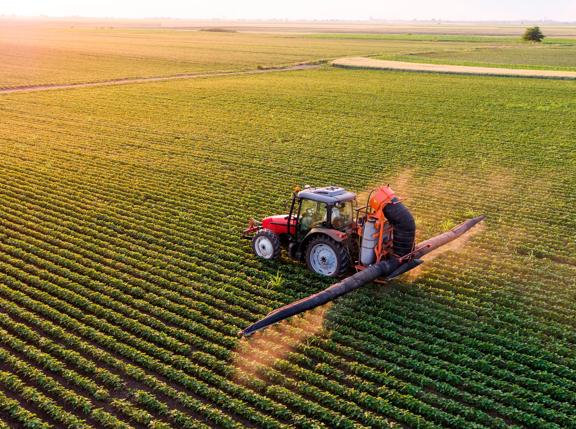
(287, 20)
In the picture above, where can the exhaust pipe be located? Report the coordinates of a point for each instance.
(388, 269)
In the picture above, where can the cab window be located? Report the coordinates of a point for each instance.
(342, 214)
(312, 215)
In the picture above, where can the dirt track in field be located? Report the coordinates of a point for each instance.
(371, 63)
(348, 62)
(126, 81)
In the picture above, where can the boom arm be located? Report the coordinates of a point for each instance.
(389, 269)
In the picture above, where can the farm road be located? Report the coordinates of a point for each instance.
(125, 81)
(348, 62)
(371, 63)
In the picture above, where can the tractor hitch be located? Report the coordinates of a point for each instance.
(253, 227)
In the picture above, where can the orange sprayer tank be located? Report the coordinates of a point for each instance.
(380, 197)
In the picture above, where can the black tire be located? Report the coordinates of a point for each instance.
(266, 244)
(323, 245)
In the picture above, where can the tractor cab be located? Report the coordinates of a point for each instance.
(319, 229)
(328, 207)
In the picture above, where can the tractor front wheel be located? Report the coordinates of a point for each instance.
(327, 257)
(266, 244)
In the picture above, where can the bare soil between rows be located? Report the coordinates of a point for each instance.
(374, 64)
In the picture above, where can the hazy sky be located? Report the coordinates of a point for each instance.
(561, 10)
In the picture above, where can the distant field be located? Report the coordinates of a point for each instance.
(123, 278)
(45, 55)
(325, 27)
(546, 56)
(39, 54)
(371, 63)
(476, 50)
(462, 39)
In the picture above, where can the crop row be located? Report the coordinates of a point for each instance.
(164, 363)
(123, 278)
(130, 371)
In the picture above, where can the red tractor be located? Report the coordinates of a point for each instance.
(325, 229)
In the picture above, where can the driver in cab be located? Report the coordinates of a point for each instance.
(307, 219)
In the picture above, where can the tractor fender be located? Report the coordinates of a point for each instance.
(334, 234)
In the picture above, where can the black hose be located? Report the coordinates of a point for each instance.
(404, 227)
(381, 269)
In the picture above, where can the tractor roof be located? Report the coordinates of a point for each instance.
(328, 194)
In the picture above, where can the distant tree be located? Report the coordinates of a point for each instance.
(533, 34)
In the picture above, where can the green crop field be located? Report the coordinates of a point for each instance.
(44, 55)
(485, 51)
(41, 55)
(557, 56)
(124, 280)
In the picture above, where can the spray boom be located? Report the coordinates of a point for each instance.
(387, 269)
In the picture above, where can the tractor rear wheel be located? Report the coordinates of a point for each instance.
(327, 257)
(266, 244)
